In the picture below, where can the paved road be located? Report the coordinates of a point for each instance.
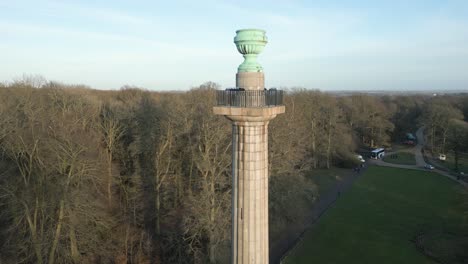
(420, 163)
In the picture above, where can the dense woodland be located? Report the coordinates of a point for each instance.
(136, 176)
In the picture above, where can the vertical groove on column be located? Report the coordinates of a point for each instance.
(251, 229)
(265, 180)
(261, 191)
(258, 224)
(246, 240)
(235, 179)
(240, 194)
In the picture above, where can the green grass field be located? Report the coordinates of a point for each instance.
(404, 158)
(396, 147)
(378, 220)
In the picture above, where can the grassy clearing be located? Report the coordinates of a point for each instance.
(389, 216)
(404, 158)
(396, 147)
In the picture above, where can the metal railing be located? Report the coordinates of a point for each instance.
(243, 98)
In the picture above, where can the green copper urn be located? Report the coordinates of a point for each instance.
(250, 42)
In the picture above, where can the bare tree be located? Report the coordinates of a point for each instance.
(458, 139)
(111, 131)
(211, 202)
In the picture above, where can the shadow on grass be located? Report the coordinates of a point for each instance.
(443, 246)
(403, 158)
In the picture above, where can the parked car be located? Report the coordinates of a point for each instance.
(429, 167)
(442, 157)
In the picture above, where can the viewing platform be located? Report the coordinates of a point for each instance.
(252, 105)
(249, 98)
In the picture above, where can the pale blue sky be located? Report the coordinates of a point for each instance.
(174, 45)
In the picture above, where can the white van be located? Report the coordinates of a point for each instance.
(360, 158)
(442, 157)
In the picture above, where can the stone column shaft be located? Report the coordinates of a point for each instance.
(249, 181)
(250, 192)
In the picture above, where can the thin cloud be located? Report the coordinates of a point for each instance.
(101, 14)
(65, 10)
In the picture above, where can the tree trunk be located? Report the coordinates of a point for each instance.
(432, 139)
(158, 208)
(109, 177)
(157, 220)
(444, 140)
(177, 190)
(57, 234)
(190, 178)
(313, 145)
(212, 248)
(212, 251)
(380, 136)
(35, 240)
(73, 245)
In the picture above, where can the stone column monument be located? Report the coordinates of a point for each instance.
(250, 107)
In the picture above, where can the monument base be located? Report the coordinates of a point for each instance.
(250, 80)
